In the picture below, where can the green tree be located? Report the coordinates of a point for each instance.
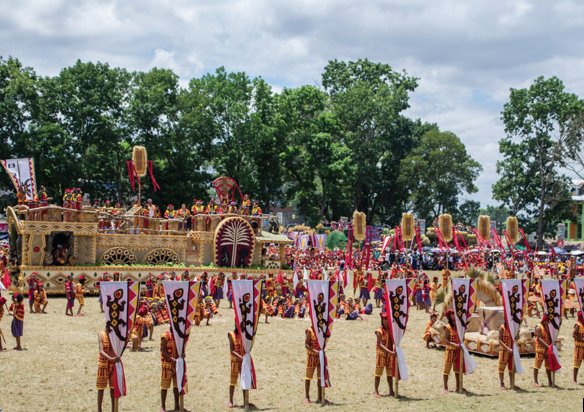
(437, 173)
(537, 123)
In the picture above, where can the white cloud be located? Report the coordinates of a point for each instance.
(466, 54)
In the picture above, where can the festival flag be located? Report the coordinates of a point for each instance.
(296, 281)
(182, 298)
(119, 305)
(385, 243)
(22, 174)
(515, 293)
(279, 278)
(398, 295)
(211, 286)
(323, 297)
(305, 277)
(320, 241)
(304, 241)
(579, 284)
(554, 294)
(247, 305)
(2, 287)
(463, 292)
(345, 278)
(325, 275)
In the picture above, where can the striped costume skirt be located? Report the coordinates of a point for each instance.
(353, 315)
(364, 294)
(378, 294)
(218, 293)
(17, 327)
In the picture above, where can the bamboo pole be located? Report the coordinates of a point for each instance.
(246, 399)
(116, 404)
(181, 400)
(512, 372)
(323, 400)
(396, 377)
(460, 362)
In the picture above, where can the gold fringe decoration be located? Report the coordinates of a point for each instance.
(513, 229)
(140, 159)
(485, 227)
(445, 222)
(359, 225)
(408, 223)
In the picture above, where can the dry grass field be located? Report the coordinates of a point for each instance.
(57, 371)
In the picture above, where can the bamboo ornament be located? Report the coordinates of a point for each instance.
(485, 227)
(512, 229)
(445, 222)
(408, 223)
(359, 225)
(140, 159)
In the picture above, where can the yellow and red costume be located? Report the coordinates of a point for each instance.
(271, 287)
(453, 353)
(428, 336)
(383, 359)
(79, 293)
(40, 298)
(105, 368)
(504, 356)
(579, 346)
(312, 359)
(168, 367)
(541, 351)
(235, 361)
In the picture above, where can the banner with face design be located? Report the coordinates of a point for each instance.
(515, 293)
(119, 305)
(182, 298)
(554, 296)
(323, 297)
(247, 304)
(398, 298)
(463, 294)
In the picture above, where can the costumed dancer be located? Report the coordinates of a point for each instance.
(32, 281)
(168, 358)
(218, 283)
(40, 299)
(505, 355)
(79, 294)
(2, 304)
(385, 356)
(70, 295)
(105, 368)
(230, 289)
(271, 286)
(236, 360)
(453, 351)
(428, 337)
(378, 290)
(434, 286)
(578, 336)
(542, 348)
(16, 310)
(312, 363)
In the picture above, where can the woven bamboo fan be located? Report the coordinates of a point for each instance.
(359, 224)
(140, 159)
(408, 226)
(513, 229)
(485, 227)
(446, 227)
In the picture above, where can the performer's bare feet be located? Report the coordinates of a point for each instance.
(517, 388)
(229, 405)
(503, 388)
(445, 391)
(376, 395)
(307, 400)
(537, 385)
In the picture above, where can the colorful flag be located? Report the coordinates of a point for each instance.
(304, 241)
(463, 292)
(515, 293)
(247, 305)
(296, 281)
(182, 298)
(398, 294)
(579, 283)
(323, 297)
(554, 295)
(119, 305)
(23, 175)
(320, 241)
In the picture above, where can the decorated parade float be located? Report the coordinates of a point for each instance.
(56, 241)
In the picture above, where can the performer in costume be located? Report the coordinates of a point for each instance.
(578, 336)
(79, 294)
(245, 205)
(168, 357)
(170, 214)
(453, 352)
(232, 208)
(256, 210)
(105, 368)
(40, 298)
(229, 290)
(542, 346)
(150, 282)
(428, 338)
(211, 208)
(312, 363)
(218, 283)
(385, 356)
(364, 288)
(271, 286)
(434, 286)
(32, 285)
(16, 310)
(285, 286)
(236, 357)
(378, 290)
(505, 354)
(2, 303)
(183, 214)
(70, 295)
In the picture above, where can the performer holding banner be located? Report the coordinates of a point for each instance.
(323, 298)
(578, 333)
(247, 306)
(554, 296)
(515, 293)
(398, 296)
(457, 354)
(182, 298)
(120, 300)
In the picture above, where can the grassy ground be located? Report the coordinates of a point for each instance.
(57, 371)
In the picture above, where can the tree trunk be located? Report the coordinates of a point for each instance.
(540, 221)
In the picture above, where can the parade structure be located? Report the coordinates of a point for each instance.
(89, 242)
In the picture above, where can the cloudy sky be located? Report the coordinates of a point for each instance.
(467, 54)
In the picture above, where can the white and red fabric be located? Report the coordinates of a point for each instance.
(247, 305)
(554, 294)
(323, 298)
(463, 293)
(579, 284)
(398, 294)
(515, 293)
(320, 241)
(182, 298)
(119, 306)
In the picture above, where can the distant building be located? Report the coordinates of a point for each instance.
(574, 229)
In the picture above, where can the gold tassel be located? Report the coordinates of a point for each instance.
(446, 226)
(513, 229)
(485, 227)
(408, 226)
(359, 225)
